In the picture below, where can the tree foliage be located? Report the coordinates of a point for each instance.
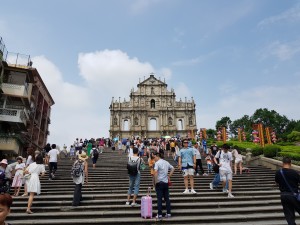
(280, 124)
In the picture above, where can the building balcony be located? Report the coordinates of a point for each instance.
(14, 115)
(9, 144)
(22, 91)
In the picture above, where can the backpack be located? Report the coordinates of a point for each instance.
(77, 169)
(132, 166)
(95, 153)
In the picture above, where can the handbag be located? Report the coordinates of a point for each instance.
(27, 176)
(143, 166)
(297, 195)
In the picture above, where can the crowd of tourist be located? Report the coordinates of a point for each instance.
(186, 153)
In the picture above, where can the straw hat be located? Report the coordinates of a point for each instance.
(82, 156)
(20, 157)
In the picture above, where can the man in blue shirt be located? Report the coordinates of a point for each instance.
(187, 163)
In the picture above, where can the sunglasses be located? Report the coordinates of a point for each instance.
(185, 142)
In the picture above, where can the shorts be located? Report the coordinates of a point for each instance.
(172, 149)
(187, 171)
(225, 175)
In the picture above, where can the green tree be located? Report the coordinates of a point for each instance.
(271, 119)
(245, 123)
(210, 133)
(224, 122)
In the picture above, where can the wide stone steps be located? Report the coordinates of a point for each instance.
(256, 199)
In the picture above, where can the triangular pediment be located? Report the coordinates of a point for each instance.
(152, 80)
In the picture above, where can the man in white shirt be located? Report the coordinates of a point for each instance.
(225, 164)
(53, 155)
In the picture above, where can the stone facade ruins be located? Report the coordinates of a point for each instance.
(152, 112)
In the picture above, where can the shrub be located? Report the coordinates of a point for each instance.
(257, 151)
(271, 151)
(294, 136)
(293, 156)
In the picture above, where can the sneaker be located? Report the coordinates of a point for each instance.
(205, 174)
(225, 190)
(134, 204)
(197, 174)
(230, 195)
(193, 191)
(211, 186)
(186, 191)
(49, 179)
(168, 215)
(158, 217)
(127, 203)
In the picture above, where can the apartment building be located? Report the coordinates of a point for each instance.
(25, 105)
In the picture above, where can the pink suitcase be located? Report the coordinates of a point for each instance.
(146, 205)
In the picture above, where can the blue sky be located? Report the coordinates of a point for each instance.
(233, 56)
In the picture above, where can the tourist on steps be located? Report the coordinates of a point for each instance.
(187, 163)
(33, 183)
(225, 164)
(161, 170)
(288, 181)
(81, 179)
(134, 177)
(198, 160)
(53, 155)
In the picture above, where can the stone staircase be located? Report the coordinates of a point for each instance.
(256, 199)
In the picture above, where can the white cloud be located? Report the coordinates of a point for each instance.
(82, 110)
(182, 91)
(282, 99)
(290, 15)
(282, 51)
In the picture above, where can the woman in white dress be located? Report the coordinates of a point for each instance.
(33, 183)
(18, 178)
(29, 160)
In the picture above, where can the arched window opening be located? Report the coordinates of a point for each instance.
(152, 124)
(152, 102)
(180, 124)
(126, 125)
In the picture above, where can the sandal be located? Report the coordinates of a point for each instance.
(28, 211)
(23, 195)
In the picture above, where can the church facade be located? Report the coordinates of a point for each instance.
(152, 112)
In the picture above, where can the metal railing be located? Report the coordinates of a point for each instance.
(14, 59)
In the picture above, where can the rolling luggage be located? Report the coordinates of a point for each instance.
(146, 205)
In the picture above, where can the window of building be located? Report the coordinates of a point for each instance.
(152, 102)
(180, 124)
(126, 125)
(153, 125)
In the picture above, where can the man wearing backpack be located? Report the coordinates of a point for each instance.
(133, 167)
(80, 176)
(288, 181)
(94, 155)
(225, 164)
